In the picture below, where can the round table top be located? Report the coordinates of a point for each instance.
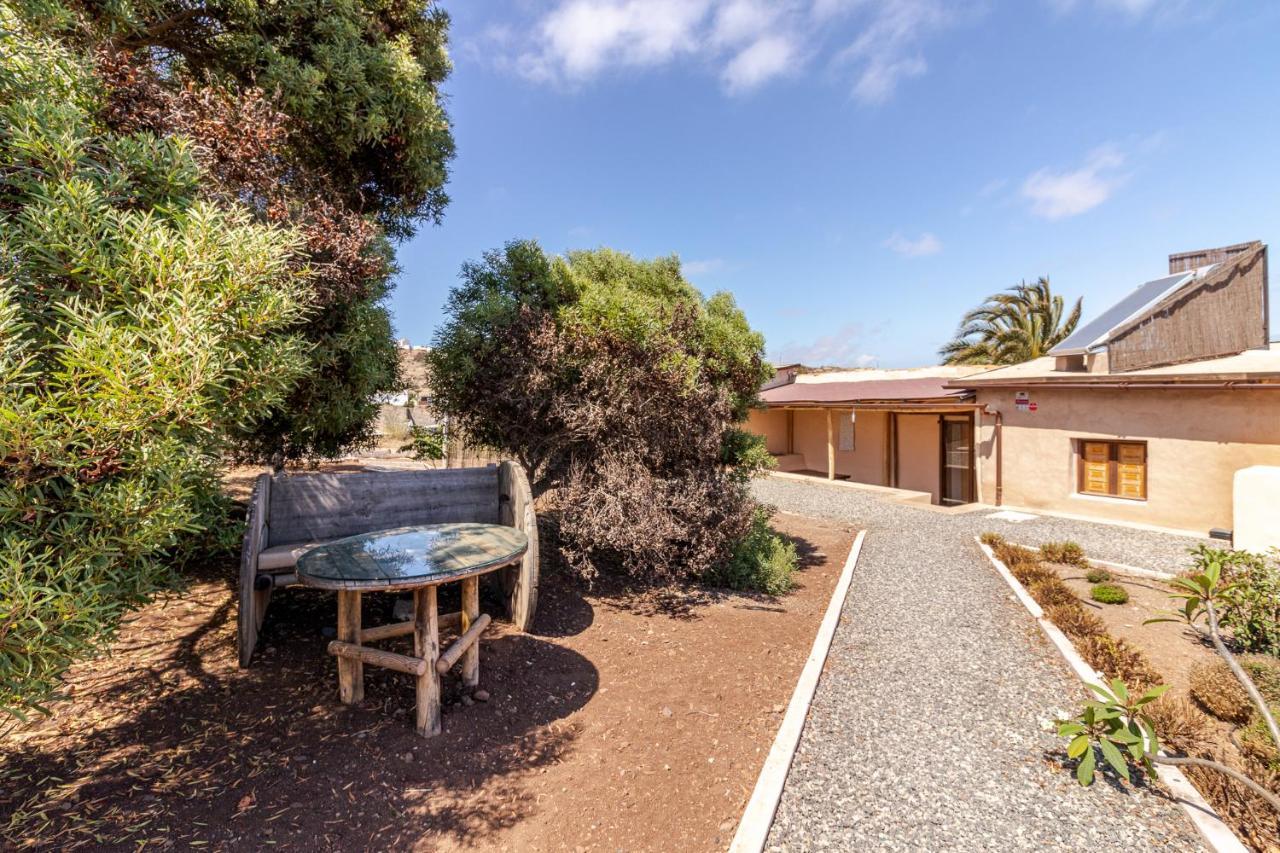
(405, 557)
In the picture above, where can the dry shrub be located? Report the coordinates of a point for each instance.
(1215, 689)
(1115, 658)
(1182, 726)
(991, 540)
(619, 516)
(1067, 553)
(1016, 555)
(1252, 817)
(1052, 591)
(1265, 672)
(1075, 621)
(1256, 743)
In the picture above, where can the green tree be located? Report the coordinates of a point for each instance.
(621, 390)
(1018, 325)
(326, 116)
(140, 327)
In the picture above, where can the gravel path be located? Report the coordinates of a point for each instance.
(930, 727)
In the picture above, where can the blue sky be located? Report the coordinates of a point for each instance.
(858, 173)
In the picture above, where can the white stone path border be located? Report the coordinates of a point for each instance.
(1211, 827)
(757, 818)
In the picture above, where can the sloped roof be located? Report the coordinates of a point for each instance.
(1098, 331)
(1258, 365)
(923, 389)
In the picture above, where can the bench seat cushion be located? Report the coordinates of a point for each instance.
(282, 558)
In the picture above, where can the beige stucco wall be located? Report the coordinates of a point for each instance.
(1196, 441)
(772, 424)
(918, 453)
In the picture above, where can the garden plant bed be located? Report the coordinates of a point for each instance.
(611, 726)
(1117, 640)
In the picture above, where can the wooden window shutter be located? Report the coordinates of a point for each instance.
(1131, 471)
(1096, 470)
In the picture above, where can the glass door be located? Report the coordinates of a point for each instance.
(957, 460)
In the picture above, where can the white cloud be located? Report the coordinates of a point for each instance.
(888, 51)
(763, 59)
(580, 37)
(846, 347)
(1056, 195)
(926, 244)
(748, 42)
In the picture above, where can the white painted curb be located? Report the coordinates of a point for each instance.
(757, 818)
(1216, 834)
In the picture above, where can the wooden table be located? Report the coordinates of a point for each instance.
(421, 559)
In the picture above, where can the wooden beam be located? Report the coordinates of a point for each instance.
(893, 449)
(831, 445)
(403, 629)
(426, 645)
(350, 670)
(463, 644)
(470, 617)
(378, 657)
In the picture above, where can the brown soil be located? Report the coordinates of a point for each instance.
(1172, 647)
(621, 722)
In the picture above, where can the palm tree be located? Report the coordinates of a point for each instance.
(1017, 325)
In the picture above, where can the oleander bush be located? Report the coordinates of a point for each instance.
(140, 327)
(1109, 593)
(1098, 576)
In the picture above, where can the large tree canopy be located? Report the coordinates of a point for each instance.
(141, 326)
(619, 387)
(323, 116)
(1018, 325)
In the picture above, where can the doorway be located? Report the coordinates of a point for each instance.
(957, 458)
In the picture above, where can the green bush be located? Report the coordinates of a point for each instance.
(763, 561)
(1098, 576)
(1109, 593)
(1067, 553)
(425, 443)
(139, 326)
(1250, 606)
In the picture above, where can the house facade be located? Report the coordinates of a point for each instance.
(901, 429)
(1146, 413)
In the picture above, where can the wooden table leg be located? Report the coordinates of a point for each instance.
(426, 645)
(350, 670)
(471, 612)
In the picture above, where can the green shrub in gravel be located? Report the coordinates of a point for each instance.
(1067, 553)
(1109, 593)
(1097, 576)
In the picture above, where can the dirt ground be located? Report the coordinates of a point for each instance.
(619, 723)
(1172, 647)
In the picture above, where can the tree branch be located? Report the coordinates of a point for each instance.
(1241, 675)
(1188, 761)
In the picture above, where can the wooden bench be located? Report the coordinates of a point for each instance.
(292, 513)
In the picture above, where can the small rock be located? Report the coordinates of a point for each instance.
(466, 700)
(481, 695)
(407, 757)
(666, 712)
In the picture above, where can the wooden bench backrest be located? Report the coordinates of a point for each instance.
(309, 507)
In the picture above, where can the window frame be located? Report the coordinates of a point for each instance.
(1113, 463)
